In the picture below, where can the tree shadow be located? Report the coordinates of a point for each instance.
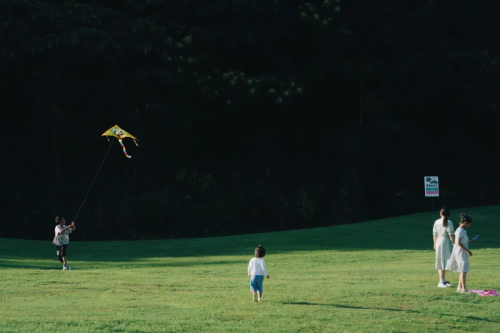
(344, 306)
(466, 318)
(122, 264)
(8, 264)
(413, 233)
(482, 319)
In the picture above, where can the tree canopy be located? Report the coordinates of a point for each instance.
(253, 115)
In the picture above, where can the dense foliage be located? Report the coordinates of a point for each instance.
(252, 115)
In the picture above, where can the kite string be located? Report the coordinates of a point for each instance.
(109, 148)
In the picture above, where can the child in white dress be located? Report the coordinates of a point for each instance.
(443, 240)
(459, 261)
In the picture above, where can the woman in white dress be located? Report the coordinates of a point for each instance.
(443, 239)
(459, 261)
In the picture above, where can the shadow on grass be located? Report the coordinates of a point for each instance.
(343, 306)
(405, 233)
(482, 319)
(467, 318)
(55, 267)
(122, 264)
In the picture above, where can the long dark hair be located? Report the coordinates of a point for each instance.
(445, 212)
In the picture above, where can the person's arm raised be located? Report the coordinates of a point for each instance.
(72, 225)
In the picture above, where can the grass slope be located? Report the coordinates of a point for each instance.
(367, 277)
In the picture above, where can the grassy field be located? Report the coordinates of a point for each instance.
(375, 276)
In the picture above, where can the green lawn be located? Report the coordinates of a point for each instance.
(367, 277)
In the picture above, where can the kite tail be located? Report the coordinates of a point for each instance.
(136, 142)
(124, 150)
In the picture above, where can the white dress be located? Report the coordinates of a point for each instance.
(443, 242)
(459, 261)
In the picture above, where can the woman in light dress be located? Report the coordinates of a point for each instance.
(459, 261)
(443, 241)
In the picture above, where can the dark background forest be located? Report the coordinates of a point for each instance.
(252, 115)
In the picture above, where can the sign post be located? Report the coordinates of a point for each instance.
(431, 188)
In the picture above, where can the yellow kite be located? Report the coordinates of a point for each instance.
(117, 132)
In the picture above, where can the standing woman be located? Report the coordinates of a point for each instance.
(61, 239)
(443, 241)
(459, 261)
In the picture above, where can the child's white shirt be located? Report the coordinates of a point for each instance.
(257, 266)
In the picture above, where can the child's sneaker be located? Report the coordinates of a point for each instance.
(255, 297)
(442, 285)
(260, 299)
(66, 268)
(448, 284)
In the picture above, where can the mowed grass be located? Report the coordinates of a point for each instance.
(375, 276)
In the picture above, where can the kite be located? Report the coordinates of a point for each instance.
(486, 292)
(117, 132)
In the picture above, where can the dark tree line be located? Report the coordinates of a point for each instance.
(252, 115)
